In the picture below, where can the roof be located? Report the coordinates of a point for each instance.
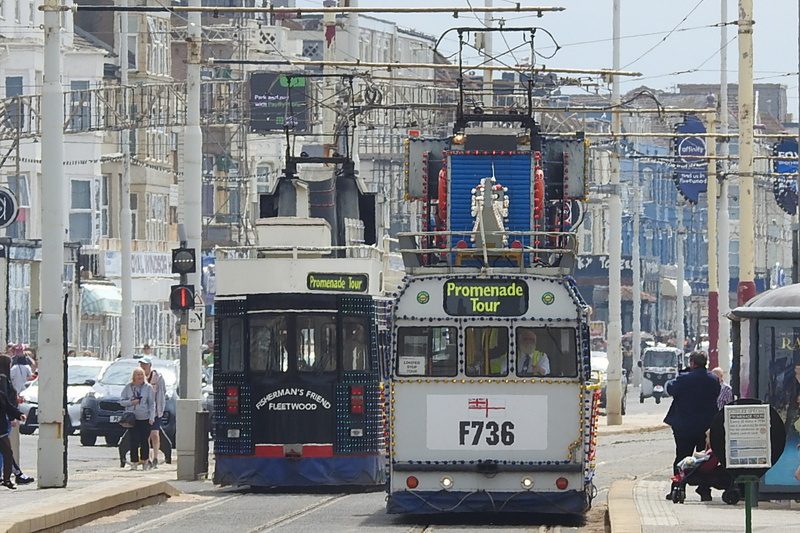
(783, 302)
(84, 39)
(101, 299)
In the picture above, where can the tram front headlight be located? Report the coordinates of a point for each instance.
(446, 482)
(527, 483)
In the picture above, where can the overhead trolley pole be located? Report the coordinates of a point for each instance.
(614, 387)
(51, 462)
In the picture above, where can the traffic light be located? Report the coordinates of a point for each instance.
(183, 261)
(181, 297)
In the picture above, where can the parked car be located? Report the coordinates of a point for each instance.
(600, 375)
(101, 410)
(82, 373)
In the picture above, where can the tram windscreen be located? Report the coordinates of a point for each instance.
(424, 351)
(546, 352)
(355, 344)
(232, 344)
(487, 351)
(268, 345)
(316, 343)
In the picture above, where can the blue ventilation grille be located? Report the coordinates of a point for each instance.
(513, 171)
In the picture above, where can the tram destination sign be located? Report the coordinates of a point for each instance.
(485, 297)
(337, 282)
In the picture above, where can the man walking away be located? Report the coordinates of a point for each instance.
(726, 392)
(694, 404)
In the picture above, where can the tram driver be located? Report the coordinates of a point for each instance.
(531, 360)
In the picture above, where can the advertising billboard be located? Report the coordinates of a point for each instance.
(779, 385)
(690, 169)
(784, 185)
(278, 100)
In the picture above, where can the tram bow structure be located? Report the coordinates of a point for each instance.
(491, 402)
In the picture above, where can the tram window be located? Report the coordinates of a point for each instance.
(355, 344)
(427, 351)
(232, 345)
(546, 352)
(487, 351)
(268, 345)
(316, 344)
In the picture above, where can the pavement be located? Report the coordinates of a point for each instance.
(640, 506)
(89, 494)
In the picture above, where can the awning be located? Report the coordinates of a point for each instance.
(101, 300)
(627, 295)
(669, 288)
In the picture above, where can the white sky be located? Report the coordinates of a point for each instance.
(584, 32)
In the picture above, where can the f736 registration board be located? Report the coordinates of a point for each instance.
(486, 422)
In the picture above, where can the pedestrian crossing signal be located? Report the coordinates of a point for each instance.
(181, 297)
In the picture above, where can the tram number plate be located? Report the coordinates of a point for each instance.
(472, 432)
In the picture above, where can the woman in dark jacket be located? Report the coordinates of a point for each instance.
(8, 412)
(7, 389)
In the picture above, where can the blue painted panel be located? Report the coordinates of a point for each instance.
(512, 171)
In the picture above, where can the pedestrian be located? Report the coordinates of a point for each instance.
(137, 397)
(694, 404)
(21, 374)
(726, 392)
(146, 350)
(21, 355)
(8, 411)
(8, 391)
(156, 380)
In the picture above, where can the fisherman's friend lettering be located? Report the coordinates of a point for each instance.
(293, 399)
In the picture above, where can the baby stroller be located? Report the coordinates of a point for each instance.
(703, 468)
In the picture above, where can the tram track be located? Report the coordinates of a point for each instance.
(298, 514)
(169, 518)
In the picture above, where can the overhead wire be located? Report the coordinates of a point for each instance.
(689, 71)
(667, 36)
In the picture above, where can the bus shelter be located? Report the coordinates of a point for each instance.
(766, 366)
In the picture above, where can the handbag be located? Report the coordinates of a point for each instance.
(128, 419)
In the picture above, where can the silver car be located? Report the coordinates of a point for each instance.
(82, 373)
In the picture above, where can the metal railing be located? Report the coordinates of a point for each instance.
(163, 105)
(454, 249)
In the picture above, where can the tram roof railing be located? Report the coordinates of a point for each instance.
(355, 251)
(543, 252)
